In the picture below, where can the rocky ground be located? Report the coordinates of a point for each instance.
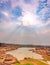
(7, 59)
(44, 51)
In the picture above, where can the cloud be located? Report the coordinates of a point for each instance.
(43, 10)
(5, 13)
(45, 32)
(25, 21)
(8, 26)
(29, 19)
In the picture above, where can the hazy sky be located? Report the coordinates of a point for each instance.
(25, 21)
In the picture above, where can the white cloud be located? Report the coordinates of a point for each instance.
(9, 25)
(5, 13)
(29, 19)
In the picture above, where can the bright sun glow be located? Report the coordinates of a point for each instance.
(29, 19)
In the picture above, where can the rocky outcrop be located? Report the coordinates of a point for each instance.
(45, 52)
(7, 59)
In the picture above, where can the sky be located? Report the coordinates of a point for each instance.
(25, 22)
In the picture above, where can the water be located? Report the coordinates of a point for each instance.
(23, 52)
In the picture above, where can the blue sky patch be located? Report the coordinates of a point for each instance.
(17, 12)
(27, 1)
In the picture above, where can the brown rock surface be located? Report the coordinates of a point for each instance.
(45, 52)
(10, 59)
(7, 59)
(2, 57)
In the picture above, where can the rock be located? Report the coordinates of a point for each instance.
(10, 59)
(2, 57)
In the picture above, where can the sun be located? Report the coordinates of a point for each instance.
(29, 19)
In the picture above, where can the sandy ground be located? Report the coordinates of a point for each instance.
(11, 54)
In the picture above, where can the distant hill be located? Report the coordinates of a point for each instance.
(22, 45)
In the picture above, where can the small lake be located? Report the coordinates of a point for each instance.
(23, 52)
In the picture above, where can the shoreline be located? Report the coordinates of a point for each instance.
(12, 47)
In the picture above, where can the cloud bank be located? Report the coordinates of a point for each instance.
(25, 21)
